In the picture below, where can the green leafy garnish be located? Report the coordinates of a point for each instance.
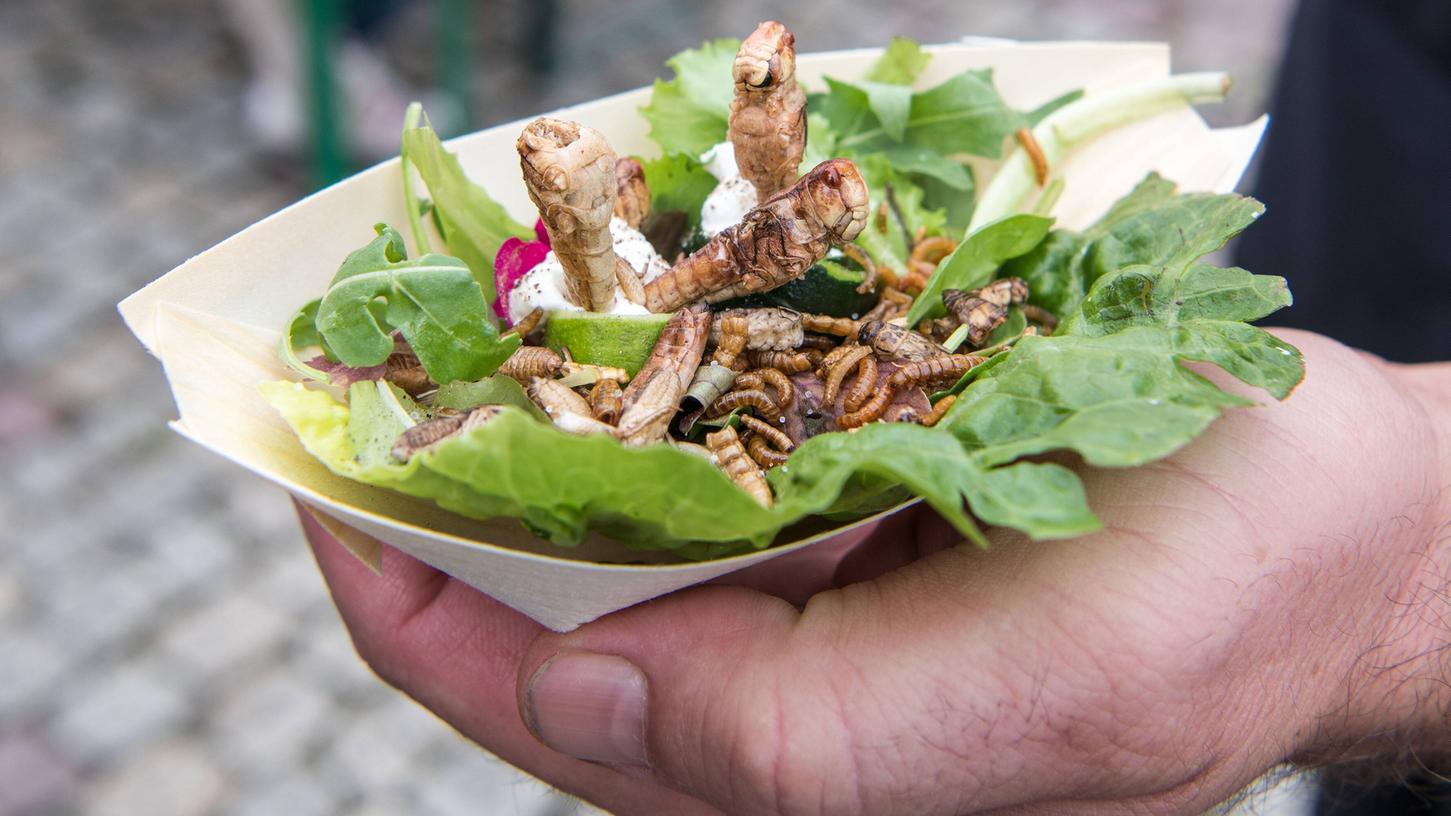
(678, 182)
(433, 301)
(973, 262)
(964, 115)
(474, 225)
(900, 63)
(690, 113)
(495, 390)
(302, 333)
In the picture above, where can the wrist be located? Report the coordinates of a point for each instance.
(1395, 698)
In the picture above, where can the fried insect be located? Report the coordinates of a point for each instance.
(528, 362)
(861, 388)
(768, 114)
(985, 308)
(530, 322)
(597, 373)
(629, 282)
(869, 282)
(931, 251)
(833, 357)
(430, 433)
(730, 456)
(813, 356)
(939, 410)
(403, 370)
(898, 343)
(818, 342)
(774, 243)
(557, 399)
(569, 171)
(632, 196)
(765, 455)
(791, 362)
(745, 398)
(761, 378)
(770, 328)
(654, 394)
(734, 330)
(870, 411)
(837, 371)
(1041, 316)
(826, 324)
(773, 435)
(606, 400)
(936, 370)
(1035, 154)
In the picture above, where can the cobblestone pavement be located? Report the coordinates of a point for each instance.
(166, 646)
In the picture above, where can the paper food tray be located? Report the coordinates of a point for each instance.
(215, 321)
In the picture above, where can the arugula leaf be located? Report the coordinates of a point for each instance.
(979, 255)
(689, 113)
(892, 105)
(678, 182)
(434, 301)
(474, 225)
(302, 333)
(900, 64)
(495, 390)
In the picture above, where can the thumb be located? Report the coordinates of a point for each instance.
(739, 699)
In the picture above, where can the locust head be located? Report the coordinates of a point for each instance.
(835, 193)
(766, 60)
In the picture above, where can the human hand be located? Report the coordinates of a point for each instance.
(1278, 589)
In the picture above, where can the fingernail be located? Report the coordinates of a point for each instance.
(590, 706)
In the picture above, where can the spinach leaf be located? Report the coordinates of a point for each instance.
(434, 301)
(689, 113)
(979, 255)
(474, 225)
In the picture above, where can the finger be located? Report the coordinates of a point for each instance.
(861, 703)
(797, 576)
(457, 652)
(900, 540)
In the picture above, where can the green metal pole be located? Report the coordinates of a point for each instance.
(320, 40)
(455, 20)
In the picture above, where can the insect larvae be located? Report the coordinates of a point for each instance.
(606, 400)
(790, 362)
(748, 398)
(1035, 154)
(530, 322)
(861, 388)
(869, 282)
(1041, 316)
(773, 435)
(939, 410)
(730, 456)
(936, 370)
(734, 332)
(838, 371)
(777, 381)
(833, 357)
(825, 324)
(529, 362)
(765, 455)
(870, 411)
(931, 251)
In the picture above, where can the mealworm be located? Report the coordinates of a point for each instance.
(813, 357)
(816, 341)
(881, 222)
(606, 399)
(833, 357)
(939, 410)
(791, 362)
(932, 250)
(896, 296)
(826, 324)
(777, 381)
(862, 388)
(528, 362)
(873, 409)
(869, 283)
(772, 434)
(749, 398)
(731, 457)
(734, 331)
(934, 370)
(762, 452)
(838, 371)
(1041, 316)
(530, 322)
(1035, 154)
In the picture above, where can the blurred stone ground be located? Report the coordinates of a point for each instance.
(166, 646)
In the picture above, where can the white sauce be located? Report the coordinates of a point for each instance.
(544, 285)
(729, 202)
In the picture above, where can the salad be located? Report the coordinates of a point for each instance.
(803, 309)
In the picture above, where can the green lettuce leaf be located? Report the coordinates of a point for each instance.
(434, 301)
(973, 262)
(678, 182)
(474, 225)
(689, 113)
(900, 64)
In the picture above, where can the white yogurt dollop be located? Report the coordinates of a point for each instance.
(544, 285)
(729, 202)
